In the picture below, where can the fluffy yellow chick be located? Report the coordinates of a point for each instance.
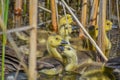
(71, 58)
(99, 72)
(107, 27)
(65, 32)
(67, 19)
(65, 27)
(52, 43)
(90, 70)
(94, 33)
(108, 45)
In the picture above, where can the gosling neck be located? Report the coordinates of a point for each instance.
(71, 58)
(54, 53)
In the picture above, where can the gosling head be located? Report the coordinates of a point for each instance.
(94, 29)
(63, 19)
(67, 50)
(56, 40)
(108, 26)
(65, 30)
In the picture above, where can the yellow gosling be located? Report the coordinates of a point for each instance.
(88, 69)
(72, 60)
(94, 33)
(52, 43)
(65, 27)
(67, 19)
(107, 27)
(65, 32)
(71, 57)
(108, 44)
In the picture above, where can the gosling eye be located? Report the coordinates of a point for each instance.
(57, 38)
(68, 48)
(107, 23)
(66, 28)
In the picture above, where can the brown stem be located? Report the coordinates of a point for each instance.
(54, 19)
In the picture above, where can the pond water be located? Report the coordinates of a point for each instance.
(63, 76)
(22, 76)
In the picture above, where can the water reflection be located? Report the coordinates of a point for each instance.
(66, 76)
(60, 77)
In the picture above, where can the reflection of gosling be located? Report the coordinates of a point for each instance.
(52, 43)
(102, 74)
(49, 66)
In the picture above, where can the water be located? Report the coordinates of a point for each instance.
(22, 76)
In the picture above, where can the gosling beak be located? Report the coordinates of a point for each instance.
(64, 42)
(91, 28)
(60, 49)
(75, 28)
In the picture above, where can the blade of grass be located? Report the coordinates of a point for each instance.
(6, 7)
(4, 24)
(0, 7)
(3, 46)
